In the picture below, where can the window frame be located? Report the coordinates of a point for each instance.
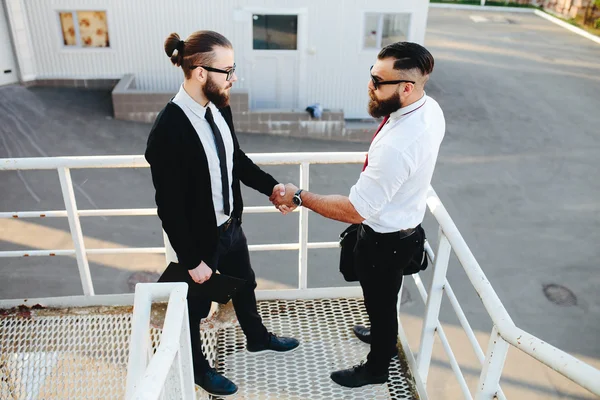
(79, 46)
(246, 14)
(381, 14)
(297, 15)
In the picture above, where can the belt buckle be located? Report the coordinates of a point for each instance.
(227, 223)
(404, 233)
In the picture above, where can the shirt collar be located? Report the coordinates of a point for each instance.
(410, 108)
(184, 98)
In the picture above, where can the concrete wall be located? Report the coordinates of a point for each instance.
(133, 104)
(98, 84)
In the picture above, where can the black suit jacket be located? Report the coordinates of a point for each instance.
(182, 181)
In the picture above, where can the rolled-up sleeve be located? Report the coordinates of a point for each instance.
(388, 169)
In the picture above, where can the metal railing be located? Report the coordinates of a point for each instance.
(147, 376)
(504, 332)
(64, 165)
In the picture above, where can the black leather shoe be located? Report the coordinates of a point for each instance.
(357, 376)
(363, 333)
(215, 383)
(274, 344)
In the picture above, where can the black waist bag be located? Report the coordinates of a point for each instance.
(419, 261)
(348, 239)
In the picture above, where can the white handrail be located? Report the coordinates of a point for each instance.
(504, 328)
(564, 363)
(138, 161)
(465, 325)
(146, 380)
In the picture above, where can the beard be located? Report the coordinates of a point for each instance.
(380, 108)
(219, 97)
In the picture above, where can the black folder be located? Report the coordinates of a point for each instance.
(219, 287)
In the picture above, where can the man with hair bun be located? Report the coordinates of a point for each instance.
(197, 165)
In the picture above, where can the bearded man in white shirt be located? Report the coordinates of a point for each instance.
(389, 199)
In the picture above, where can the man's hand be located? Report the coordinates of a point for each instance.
(279, 193)
(278, 190)
(201, 273)
(290, 191)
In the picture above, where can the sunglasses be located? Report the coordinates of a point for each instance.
(377, 82)
(229, 72)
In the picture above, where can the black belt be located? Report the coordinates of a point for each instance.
(367, 231)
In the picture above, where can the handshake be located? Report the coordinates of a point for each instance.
(282, 197)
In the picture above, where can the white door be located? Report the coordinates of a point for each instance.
(8, 66)
(275, 60)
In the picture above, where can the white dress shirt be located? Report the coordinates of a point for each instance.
(195, 113)
(391, 192)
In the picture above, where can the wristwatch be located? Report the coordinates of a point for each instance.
(297, 199)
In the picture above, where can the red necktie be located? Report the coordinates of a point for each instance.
(376, 132)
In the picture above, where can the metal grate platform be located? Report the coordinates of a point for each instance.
(64, 353)
(71, 353)
(324, 328)
(82, 353)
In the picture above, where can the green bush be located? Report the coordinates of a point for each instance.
(597, 24)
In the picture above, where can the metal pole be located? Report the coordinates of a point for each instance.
(140, 339)
(186, 368)
(444, 340)
(489, 380)
(75, 226)
(434, 301)
(303, 238)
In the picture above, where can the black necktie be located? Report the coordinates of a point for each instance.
(222, 159)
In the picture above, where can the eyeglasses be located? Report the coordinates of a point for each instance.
(229, 72)
(377, 82)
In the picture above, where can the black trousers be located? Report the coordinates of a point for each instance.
(380, 260)
(232, 259)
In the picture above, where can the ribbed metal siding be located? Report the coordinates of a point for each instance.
(336, 74)
(339, 71)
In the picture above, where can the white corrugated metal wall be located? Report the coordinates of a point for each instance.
(336, 70)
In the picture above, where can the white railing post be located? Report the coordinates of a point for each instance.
(66, 184)
(186, 367)
(303, 239)
(139, 342)
(432, 309)
(148, 372)
(495, 356)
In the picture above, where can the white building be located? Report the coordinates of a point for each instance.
(289, 54)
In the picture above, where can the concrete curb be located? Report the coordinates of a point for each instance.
(480, 8)
(537, 12)
(568, 26)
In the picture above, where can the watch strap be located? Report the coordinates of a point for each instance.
(297, 195)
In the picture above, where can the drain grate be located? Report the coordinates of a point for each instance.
(560, 295)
